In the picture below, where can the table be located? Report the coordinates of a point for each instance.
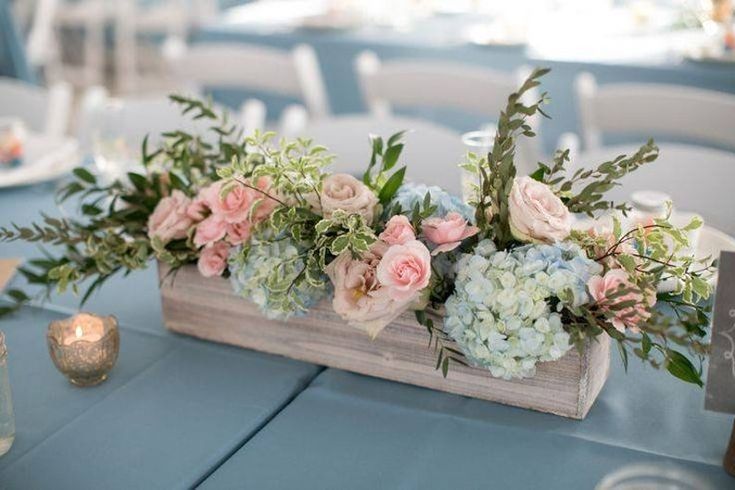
(178, 412)
(440, 38)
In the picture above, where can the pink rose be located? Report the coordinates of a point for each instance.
(169, 220)
(213, 259)
(197, 210)
(536, 213)
(447, 232)
(398, 231)
(343, 191)
(359, 298)
(601, 287)
(235, 206)
(264, 205)
(238, 233)
(405, 269)
(210, 230)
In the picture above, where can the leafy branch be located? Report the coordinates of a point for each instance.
(497, 172)
(441, 344)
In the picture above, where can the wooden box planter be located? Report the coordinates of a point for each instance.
(209, 309)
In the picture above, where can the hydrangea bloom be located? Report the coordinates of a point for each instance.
(500, 314)
(410, 194)
(264, 271)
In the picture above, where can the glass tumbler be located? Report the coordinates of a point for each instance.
(7, 419)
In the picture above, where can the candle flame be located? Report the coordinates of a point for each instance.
(78, 332)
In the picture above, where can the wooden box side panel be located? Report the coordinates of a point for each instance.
(209, 309)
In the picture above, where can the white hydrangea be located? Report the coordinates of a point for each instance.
(501, 312)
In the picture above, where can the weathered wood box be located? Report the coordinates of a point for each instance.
(209, 309)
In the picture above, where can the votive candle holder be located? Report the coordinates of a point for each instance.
(84, 347)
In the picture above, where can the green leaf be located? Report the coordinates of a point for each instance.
(681, 367)
(340, 244)
(538, 174)
(646, 343)
(391, 186)
(391, 156)
(395, 138)
(84, 175)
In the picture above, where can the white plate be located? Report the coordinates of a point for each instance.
(45, 158)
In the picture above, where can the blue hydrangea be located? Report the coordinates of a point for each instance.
(264, 272)
(501, 315)
(410, 194)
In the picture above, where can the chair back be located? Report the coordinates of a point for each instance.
(412, 83)
(706, 116)
(294, 73)
(43, 110)
(432, 152)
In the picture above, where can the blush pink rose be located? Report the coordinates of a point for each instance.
(607, 245)
(235, 206)
(405, 269)
(601, 287)
(447, 232)
(238, 233)
(359, 298)
(398, 231)
(264, 205)
(213, 259)
(169, 221)
(210, 230)
(536, 213)
(198, 209)
(343, 191)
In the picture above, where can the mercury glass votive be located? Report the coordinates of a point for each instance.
(84, 347)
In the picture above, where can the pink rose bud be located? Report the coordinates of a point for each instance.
(197, 210)
(236, 204)
(210, 230)
(601, 287)
(213, 259)
(238, 233)
(398, 231)
(447, 232)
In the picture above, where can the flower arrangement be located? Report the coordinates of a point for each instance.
(515, 282)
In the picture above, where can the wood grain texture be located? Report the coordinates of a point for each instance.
(209, 309)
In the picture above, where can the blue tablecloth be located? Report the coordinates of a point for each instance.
(177, 412)
(439, 38)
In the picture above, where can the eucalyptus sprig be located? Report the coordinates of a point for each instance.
(497, 171)
(584, 191)
(109, 233)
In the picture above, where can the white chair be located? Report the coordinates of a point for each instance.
(293, 73)
(137, 67)
(432, 152)
(654, 109)
(44, 45)
(440, 84)
(44, 110)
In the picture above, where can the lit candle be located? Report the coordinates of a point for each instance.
(86, 327)
(84, 347)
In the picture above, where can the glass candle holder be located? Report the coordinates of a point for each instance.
(7, 420)
(84, 347)
(480, 143)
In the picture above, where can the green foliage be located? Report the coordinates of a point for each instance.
(441, 344)
(496, 172)
(382, 178)
(110, 235)
(584, 191)
(652, 254)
